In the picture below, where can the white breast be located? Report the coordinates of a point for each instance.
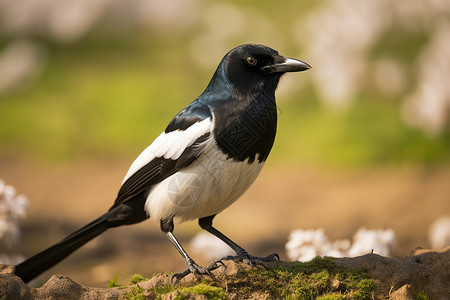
(205, 188)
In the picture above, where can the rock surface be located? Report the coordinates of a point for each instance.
(424, 271)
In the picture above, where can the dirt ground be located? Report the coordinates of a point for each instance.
(65, 197)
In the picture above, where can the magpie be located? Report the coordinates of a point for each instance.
(206, 158)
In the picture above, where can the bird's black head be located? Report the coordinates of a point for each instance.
(251, 68)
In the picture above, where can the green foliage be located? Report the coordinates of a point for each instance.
(420, 295)
(135, 293)
(370, 132)
(161, 290)
(136, 278)
(111, 96)
(206, 288)
(212, 292)
(335, 296)
(113, 282)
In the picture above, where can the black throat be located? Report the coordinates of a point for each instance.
(246, 123)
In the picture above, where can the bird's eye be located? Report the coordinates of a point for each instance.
(251, 61)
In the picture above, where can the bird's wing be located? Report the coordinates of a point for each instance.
(183, 141)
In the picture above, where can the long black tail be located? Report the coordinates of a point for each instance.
(46, 259)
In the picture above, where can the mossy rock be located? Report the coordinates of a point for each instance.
(423, 275)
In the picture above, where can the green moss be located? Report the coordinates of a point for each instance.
(137, 278)
(135, 293)
(212, 292)
(364, 289)
(204, 288)
(334, 296)
(161, 290)
(420, 295)
(320, 277)
(317, 264)
(113, 282)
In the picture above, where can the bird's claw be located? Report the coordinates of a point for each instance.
(214, 264)
(198, 271)
(254, 260)
(179, 276)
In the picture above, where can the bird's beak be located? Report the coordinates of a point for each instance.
(288, 65)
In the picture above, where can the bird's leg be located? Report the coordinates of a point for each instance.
(191, 266)
(242, 254)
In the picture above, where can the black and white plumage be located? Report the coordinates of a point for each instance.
(207, 157)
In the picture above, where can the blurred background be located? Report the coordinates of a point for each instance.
(363, 138)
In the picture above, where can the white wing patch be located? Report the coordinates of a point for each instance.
(170, 145)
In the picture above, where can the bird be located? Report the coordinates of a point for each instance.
(207, 157)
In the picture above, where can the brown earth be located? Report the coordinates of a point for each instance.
(395, 278)
(64, 197)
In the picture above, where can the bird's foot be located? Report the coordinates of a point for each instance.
(198, 271)
(251, 260)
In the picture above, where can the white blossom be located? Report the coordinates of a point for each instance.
(304, 245)
(376, 241)
(439, 233)
(209, 246)
(342, 36)
(428, 106)
(12, 209)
